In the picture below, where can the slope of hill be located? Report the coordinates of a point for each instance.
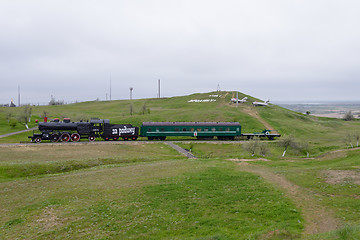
(324, 133)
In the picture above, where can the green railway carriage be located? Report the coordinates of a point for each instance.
(201, 130)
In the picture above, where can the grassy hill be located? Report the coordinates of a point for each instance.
(322, 134)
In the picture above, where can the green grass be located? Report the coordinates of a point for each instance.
(322, 134)
(149, 191)
(235, 150)
(154, 200)
(39, 159)
(342, 196)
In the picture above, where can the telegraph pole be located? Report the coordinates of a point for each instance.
(19, 95)
(110, 86)
(159, 88)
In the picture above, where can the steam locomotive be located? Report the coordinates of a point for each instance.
(74, 131)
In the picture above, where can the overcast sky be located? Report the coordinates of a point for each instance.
(282, 50)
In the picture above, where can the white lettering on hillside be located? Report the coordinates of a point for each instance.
(202, 100)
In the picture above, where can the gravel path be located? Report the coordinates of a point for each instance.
(180, 150)
(13, 133)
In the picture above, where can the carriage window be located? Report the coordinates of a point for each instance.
(206, 129)
(213, 129)
(221, 129)
(199, 129)
(177, 129)
(184, 129)
(149, 130)
(228, 129)
(162, 130)
(157, 129)
(192, 129)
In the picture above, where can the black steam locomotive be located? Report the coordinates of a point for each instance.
(66, 130)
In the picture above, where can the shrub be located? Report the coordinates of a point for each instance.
(348, 116)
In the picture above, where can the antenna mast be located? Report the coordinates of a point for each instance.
(218, 88)
(131, 89)
(19, 95)
(110, 86)
(159, 88)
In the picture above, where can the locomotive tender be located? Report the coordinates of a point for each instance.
(101, 128)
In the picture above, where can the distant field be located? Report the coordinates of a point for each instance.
(331, 110)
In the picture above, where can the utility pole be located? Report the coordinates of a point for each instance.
(159, 88)
(18, 95)
(110, 86)
(131, 89)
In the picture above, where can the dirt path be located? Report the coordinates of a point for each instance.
(252, 112)
(13, 133)
(317, 218)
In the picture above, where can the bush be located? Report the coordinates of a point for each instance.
(56, 102)
(13, 123)
(348, 116)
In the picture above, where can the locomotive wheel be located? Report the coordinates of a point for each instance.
(75, 137)
(134, 138)
(150, 138)
(125, 138)
(162, 138)
(91, 138)
(115, 139)
(65, 137)
(37, 139)
(54, 138)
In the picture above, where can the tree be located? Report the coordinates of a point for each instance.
(144, 109)
(286, 142)
(348, 140)
(9, 116)
(54, 102)
(305, 148)
(348, 116)
(357, 137)
(251, 146)
(263, 149)
(25, 116)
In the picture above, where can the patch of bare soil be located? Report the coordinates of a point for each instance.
(342, 176)
(48, 219)
(317, 218)
(248, 160)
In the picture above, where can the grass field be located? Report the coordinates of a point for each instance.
(159, 196)
(140, 190)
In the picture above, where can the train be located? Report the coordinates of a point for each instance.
(66, 130)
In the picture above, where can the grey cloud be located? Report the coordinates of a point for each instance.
(271, 49)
